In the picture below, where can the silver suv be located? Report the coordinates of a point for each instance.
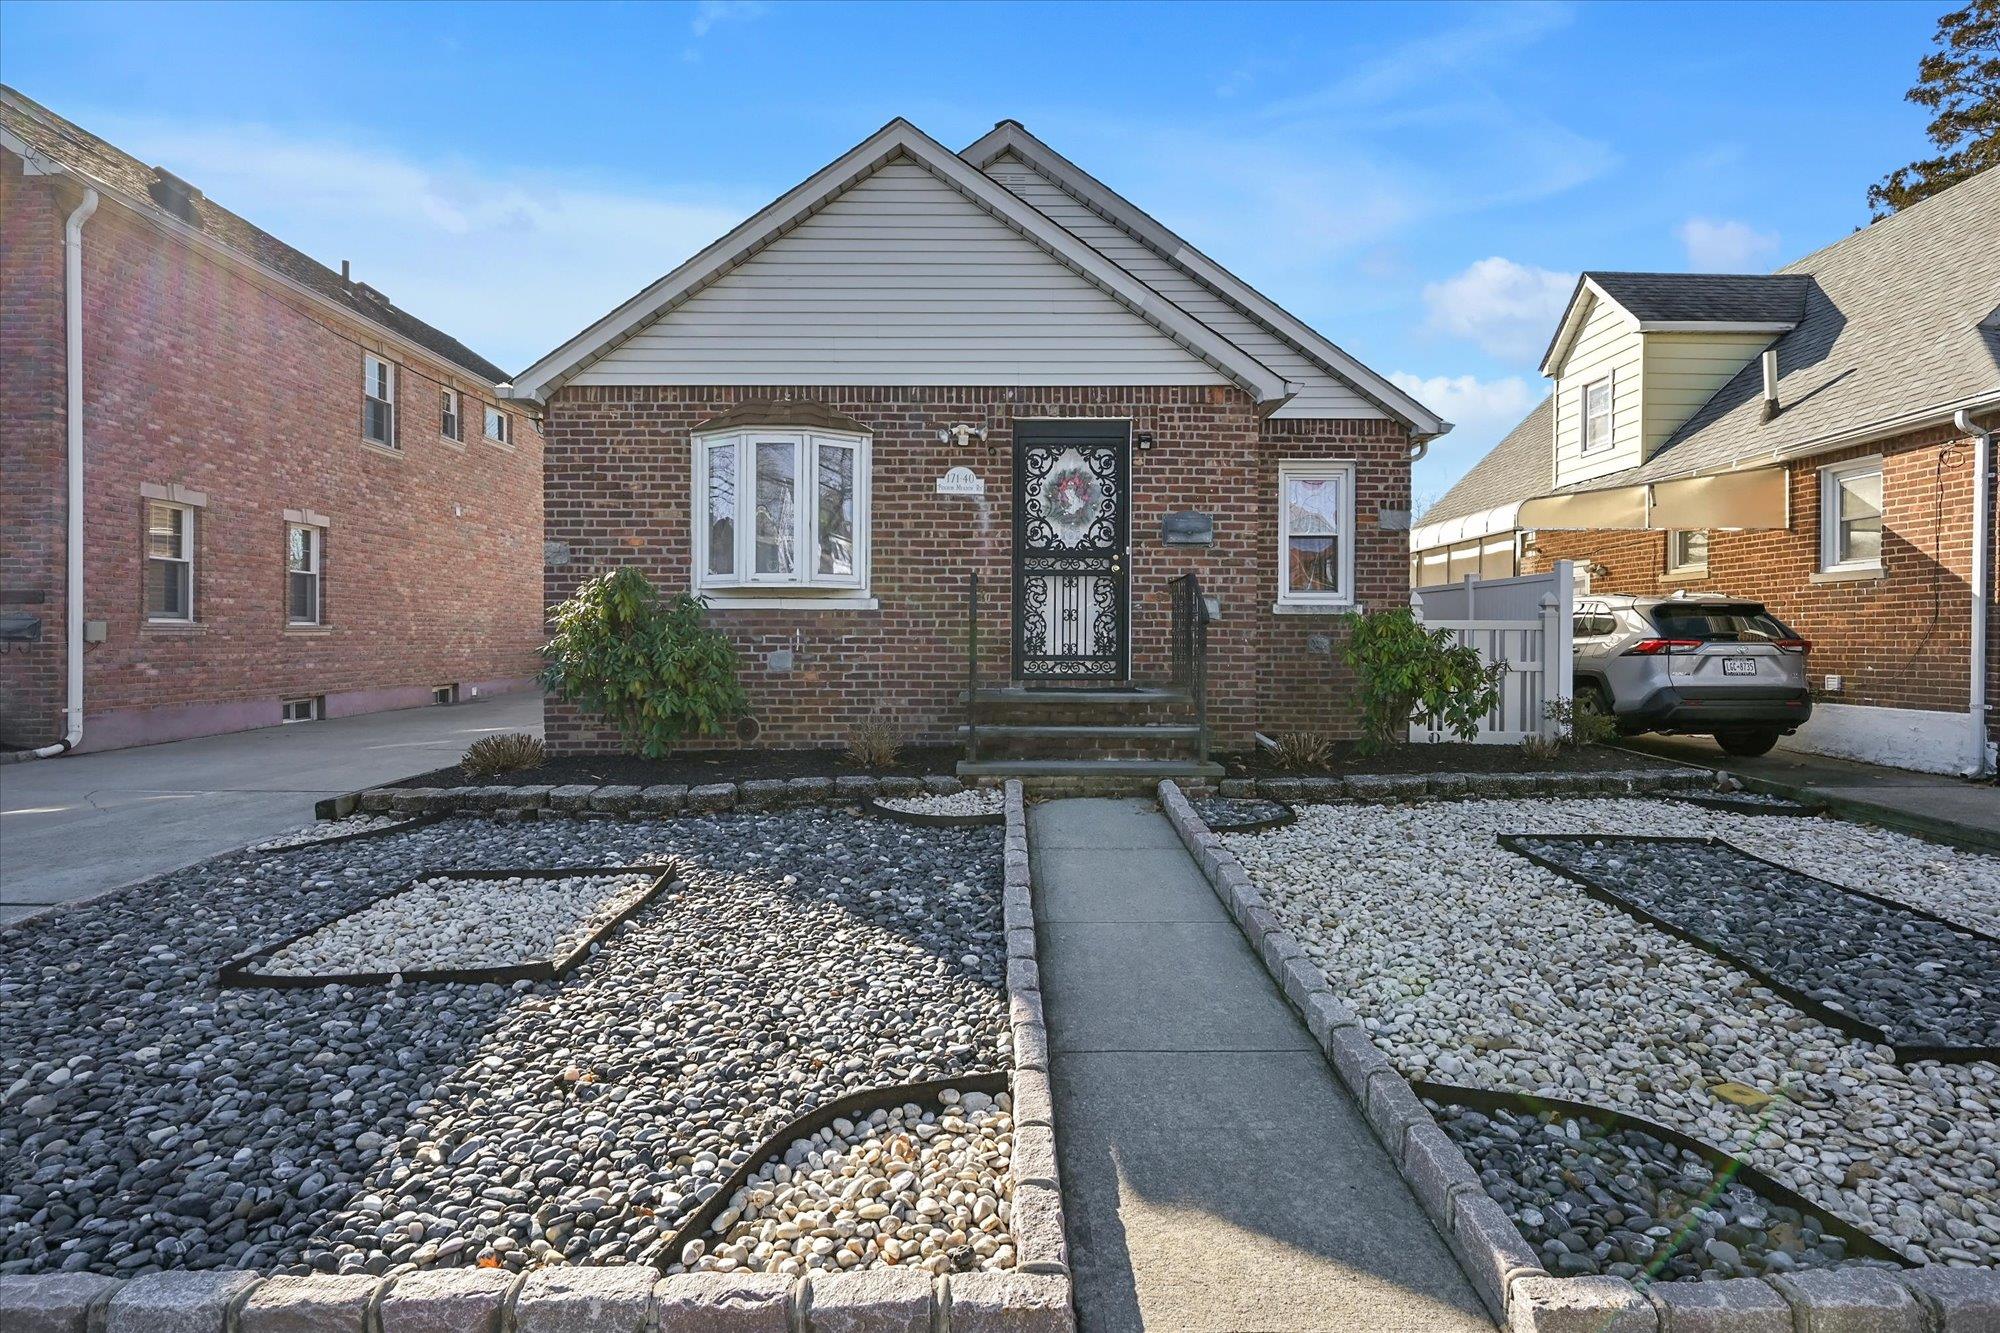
(1691, 664)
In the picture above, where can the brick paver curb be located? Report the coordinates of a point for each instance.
(624, 801)
(1502, 1266)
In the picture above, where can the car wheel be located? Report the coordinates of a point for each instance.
(1747, 743)
(1590, 700)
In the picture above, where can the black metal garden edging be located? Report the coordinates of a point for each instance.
(1858, 1241)
(1736, 805)
(239, 972)
(1838, 1019)
(873, 805)
(401, 826)
(1289, 815)
(847, 1106)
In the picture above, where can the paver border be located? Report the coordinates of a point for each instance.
(1838, 1019)
(238, 973)
(627, 800)
(1504, 1270)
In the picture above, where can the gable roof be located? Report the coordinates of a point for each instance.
(1010, 137)
(897, 139)
(1681, 302)
(1897, 328)
(143, 189)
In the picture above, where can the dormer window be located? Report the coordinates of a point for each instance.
(1597, 415)
(781, 509)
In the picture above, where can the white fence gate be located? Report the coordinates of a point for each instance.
(1522, 622)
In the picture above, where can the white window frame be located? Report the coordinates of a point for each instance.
(451, 422)
(316, 553)
(1677, 561)
(805, 578)
(1340, 599)
(189, 541)
(314, 706)
(496, 414)
(378, 374)
(1830, 478)
(1587, 446)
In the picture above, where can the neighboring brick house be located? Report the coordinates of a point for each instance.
(1812, 438)
(981, 363)
(294, 503)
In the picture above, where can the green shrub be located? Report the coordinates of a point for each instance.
(1580, 722)
(649, 667)
(873, 745)
(502, 754)
(1407, 671)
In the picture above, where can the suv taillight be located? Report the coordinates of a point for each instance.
(1800, 646)
(1658, 647)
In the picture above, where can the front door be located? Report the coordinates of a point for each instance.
(1071, 520)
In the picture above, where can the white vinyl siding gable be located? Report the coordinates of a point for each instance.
(1608, 346)
(900, 279)
(1320, 394)
(1684, 370)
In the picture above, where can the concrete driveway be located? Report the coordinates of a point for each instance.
(76, 827)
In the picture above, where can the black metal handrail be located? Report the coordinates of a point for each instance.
(1190, 652)
(972, 666)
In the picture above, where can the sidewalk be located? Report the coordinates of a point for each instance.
(1215, 1174)
(85, 824)
(1947, 808)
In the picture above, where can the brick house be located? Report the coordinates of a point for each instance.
(984, 363)
(1817, 439)
(296, 499)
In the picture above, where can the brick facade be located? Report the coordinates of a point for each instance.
(207, 375)
(618, 491)
(1899, 641)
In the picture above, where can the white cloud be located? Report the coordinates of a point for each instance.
(1509, 310)
(1481, 411)
(507, 262)
(709, 13)
(1721, 245)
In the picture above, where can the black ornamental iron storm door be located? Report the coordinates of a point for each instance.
(1071, 522)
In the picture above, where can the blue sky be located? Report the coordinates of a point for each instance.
(1419, 182)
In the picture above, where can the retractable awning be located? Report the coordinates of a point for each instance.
(1753, 498)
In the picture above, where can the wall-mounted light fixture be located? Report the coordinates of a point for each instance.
(962, 433)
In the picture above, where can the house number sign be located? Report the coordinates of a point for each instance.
(961, 481)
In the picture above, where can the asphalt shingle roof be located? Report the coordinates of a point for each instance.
(77, 148)
(1513, 469)
(1737, 298)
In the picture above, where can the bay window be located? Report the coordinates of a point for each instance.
(781, 509)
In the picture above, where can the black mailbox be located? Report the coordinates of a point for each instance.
(1188, 527)
(20, 627)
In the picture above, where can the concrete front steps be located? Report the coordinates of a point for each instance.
(1086, 732)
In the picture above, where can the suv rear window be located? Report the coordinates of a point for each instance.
(1748, 623)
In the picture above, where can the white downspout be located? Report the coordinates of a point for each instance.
(73, 419)
(1982, 578)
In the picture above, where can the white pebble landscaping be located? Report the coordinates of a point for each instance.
(445, 924)
(971, 801)
(1470, 965)
(328, 829)
(925, 1188)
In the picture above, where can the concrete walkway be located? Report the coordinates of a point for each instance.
(1931, 804)
(1215, 1173)
(85, 824)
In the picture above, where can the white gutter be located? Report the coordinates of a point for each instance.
(1982, 579)
(73, 420)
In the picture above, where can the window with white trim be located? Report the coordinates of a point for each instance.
(1315, 534)
(450, 424)
(305, 557)
(781, 509)
(497, 425)
(378, 401)
(1597, 415)
(1687, 548)
(1850, 516)
(169, 563)
(305, 710)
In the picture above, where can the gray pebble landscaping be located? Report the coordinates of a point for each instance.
(1226, 813)
(154, 1121)
(1922, 983)
(1628, 1203)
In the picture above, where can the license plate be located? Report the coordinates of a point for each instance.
(1739, 666)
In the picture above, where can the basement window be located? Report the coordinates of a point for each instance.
(784, 509)
(169, 563)
(378, 401)
(444, 694)
(305, 710)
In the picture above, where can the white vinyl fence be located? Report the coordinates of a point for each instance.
(1523, 622)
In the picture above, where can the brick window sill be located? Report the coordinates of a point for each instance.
(387, 450)
(172, 627)
(1697, 573)
(1871, 574)
(721, 601)
(309, 631)
(1316, 608)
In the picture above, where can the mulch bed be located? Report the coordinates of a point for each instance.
(696, 767)
(1445, 758)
